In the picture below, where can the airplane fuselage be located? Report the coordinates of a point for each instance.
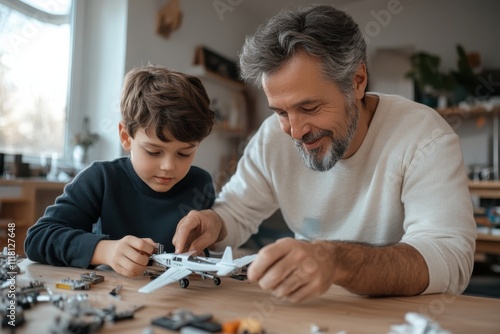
(197, 264)
(179, 266)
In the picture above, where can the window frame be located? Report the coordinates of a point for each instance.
(72, 123)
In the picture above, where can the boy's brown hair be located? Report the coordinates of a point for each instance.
(173, 104)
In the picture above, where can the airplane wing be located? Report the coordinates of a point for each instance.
(243, 261)
(169, 276)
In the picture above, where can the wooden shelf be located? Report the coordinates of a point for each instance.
(484, 109)
(485, 189)
(23, 201)
(486, 243)
(201, 72)
(475, 111)
(230, 132)
(13, 200)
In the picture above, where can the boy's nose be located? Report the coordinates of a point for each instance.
(167, 163)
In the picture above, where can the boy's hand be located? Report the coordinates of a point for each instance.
(198, 230)
(127, 256)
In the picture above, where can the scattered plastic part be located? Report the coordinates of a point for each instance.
(193, 330)
(231, 327)
(76, 324)
(116, 291)
(111, 314)
(92, 277)
(177, 319)
(417, 324)
(250, 326)
(72, 284)
(315, 329)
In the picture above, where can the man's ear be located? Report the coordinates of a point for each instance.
(124, 137)
(360, 81)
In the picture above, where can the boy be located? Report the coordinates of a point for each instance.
(113, 210)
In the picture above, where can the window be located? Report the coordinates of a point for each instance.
(35, 49)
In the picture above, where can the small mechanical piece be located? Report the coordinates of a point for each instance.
(116, 291)
(180, 318)
(72, 284)
(92, 277)
(159, 248)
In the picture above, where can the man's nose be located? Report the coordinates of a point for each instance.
(298, 126)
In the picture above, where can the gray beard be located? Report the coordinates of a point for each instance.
(313, 159)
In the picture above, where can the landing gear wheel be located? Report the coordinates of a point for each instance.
(184, 283)
(216, 280)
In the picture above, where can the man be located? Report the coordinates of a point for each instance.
(379, 203)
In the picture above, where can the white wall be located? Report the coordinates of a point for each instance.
(96, 88)
(434, 26)
(437, 26)
(201, 25)
(121, 35)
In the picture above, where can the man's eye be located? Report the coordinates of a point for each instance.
(283, 114)
(313, 109)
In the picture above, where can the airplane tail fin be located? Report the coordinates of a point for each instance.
(227, 257)
(226, 264)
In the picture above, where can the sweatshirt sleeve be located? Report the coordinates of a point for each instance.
(63, 236)
(248, 198)
(439, 219)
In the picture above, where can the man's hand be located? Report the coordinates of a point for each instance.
(198, 230)
(298, 270)
(127, 256)
(293, 269)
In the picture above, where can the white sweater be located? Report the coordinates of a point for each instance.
(406, 183)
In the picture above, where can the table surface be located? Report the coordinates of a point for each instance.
(337, 310)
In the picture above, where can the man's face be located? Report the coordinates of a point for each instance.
(159, 164)
(313, 111)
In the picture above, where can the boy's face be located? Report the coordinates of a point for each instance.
(159, 164)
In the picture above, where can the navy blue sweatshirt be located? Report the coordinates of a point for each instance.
(108, 200)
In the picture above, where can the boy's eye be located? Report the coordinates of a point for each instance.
(153, 154)
(184, 155)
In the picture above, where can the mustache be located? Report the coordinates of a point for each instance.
(311, 137)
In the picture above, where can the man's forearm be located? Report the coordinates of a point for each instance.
(378, 270)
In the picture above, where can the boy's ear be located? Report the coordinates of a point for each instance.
(124, 137)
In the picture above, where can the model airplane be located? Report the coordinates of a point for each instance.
(182, 265)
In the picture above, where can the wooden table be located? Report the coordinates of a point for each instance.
(337, 310)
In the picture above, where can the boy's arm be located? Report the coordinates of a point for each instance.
(63, 236)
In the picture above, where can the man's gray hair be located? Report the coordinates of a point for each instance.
(320, 31)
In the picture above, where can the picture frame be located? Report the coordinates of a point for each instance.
(216, 63)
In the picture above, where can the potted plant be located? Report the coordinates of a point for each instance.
(431, 83)
(83, 141)
(464, 76)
